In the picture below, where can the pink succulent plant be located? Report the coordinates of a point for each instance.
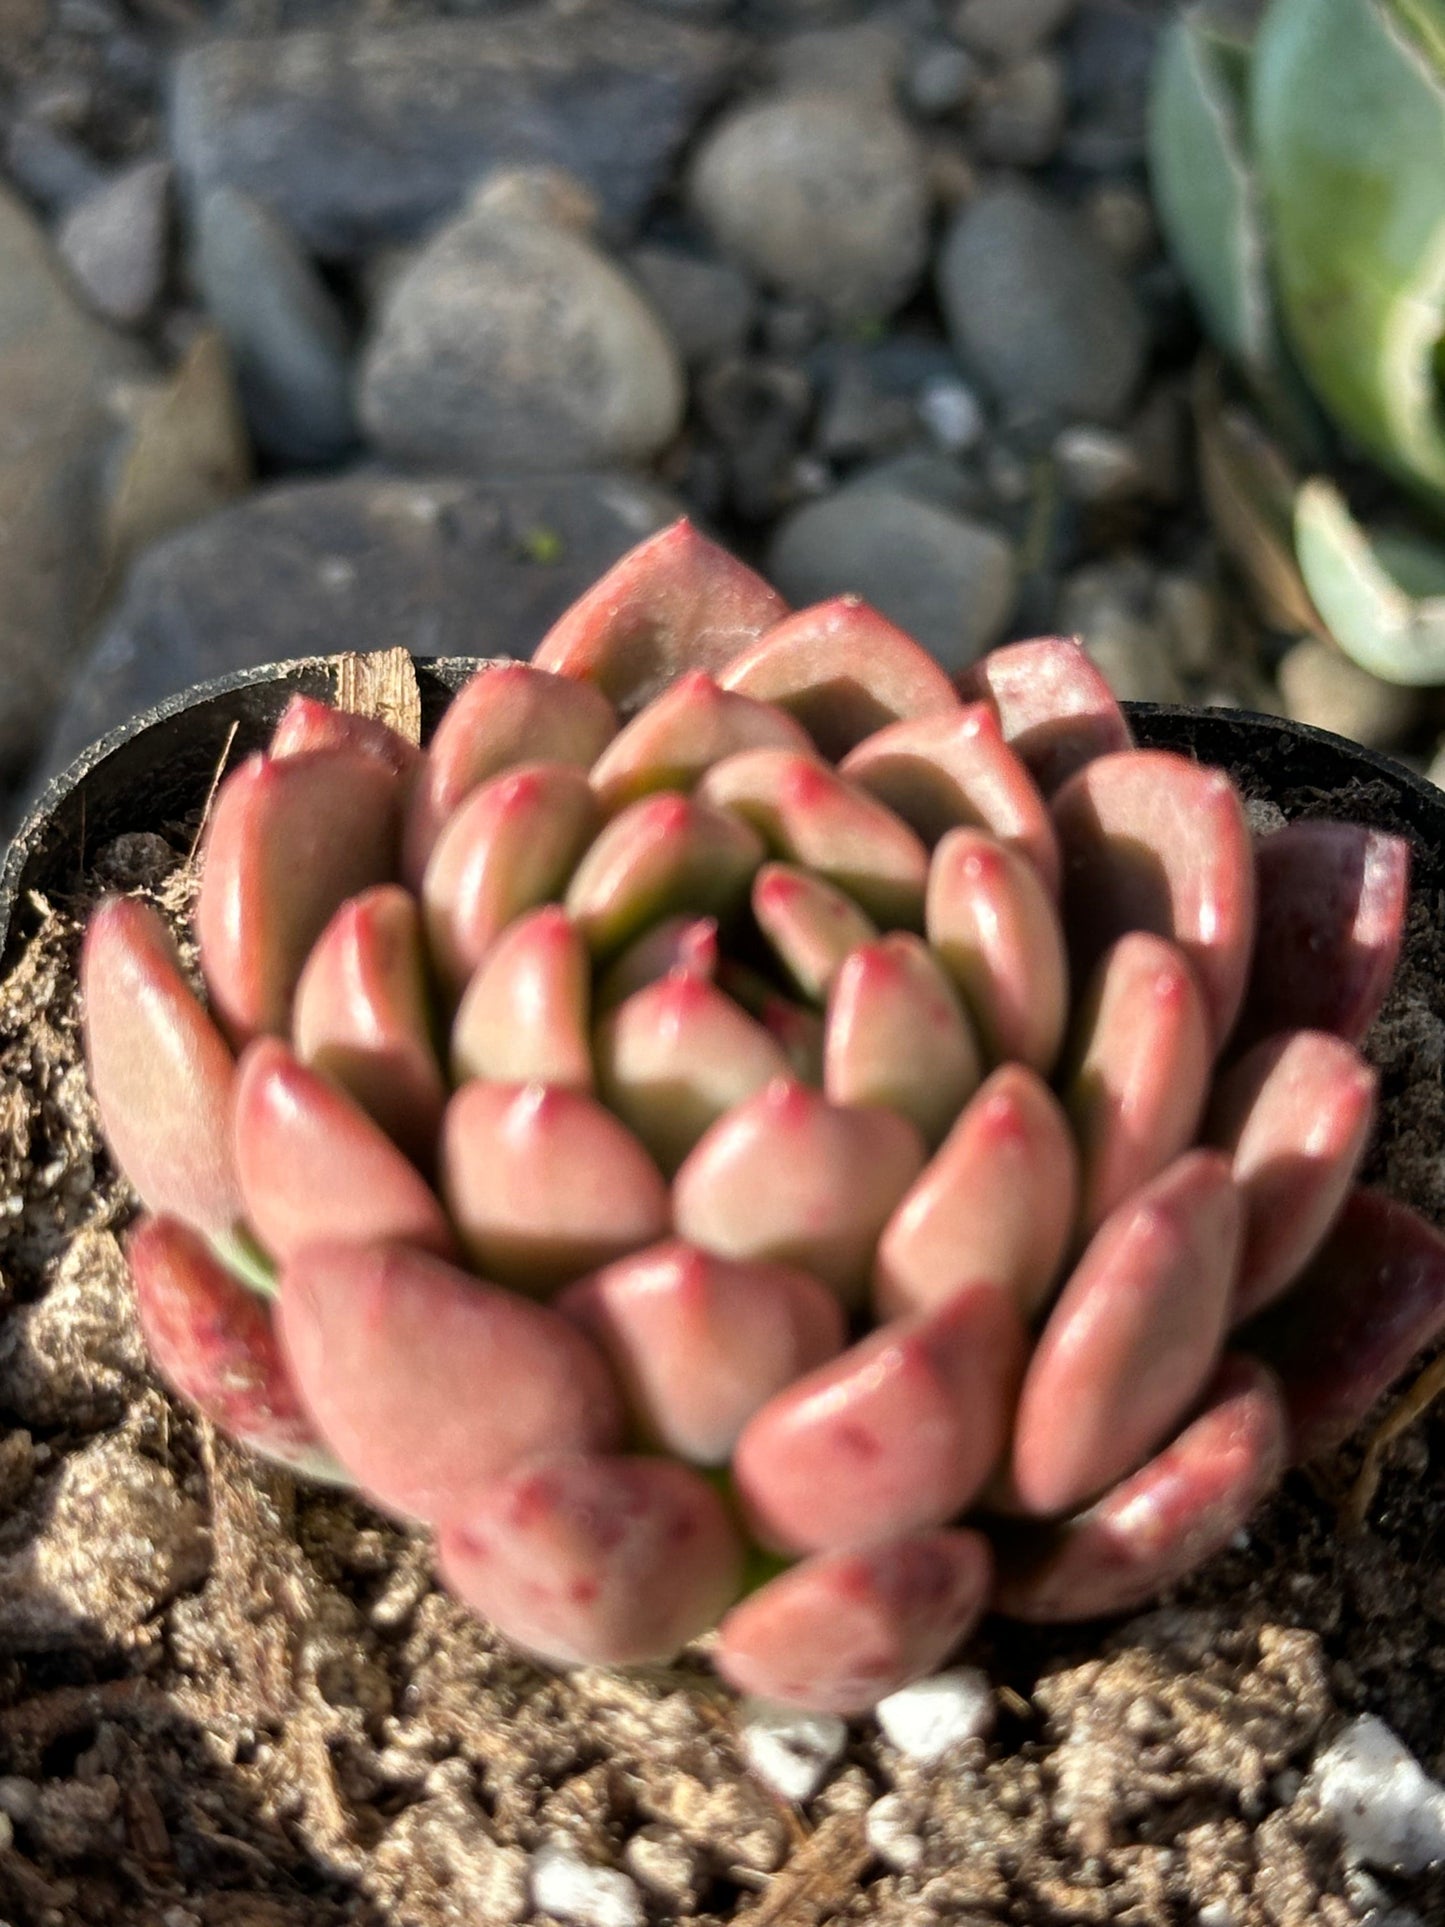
(741, 1133)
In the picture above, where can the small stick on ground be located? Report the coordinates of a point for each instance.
(1411, 1405)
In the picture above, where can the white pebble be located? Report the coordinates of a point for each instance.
(951, 413)
(889, 1831)
(1215, 1913)
(792, 1750)
(1389, 1811)
(924, 1720)
(564, 1884)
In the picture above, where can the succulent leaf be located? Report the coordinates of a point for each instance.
(1152, 841)
(597, 1561)
(511, 846)
(1382, 598)
(789, 1177)
(363, 1017)
(1294, 1114)
(1139, 1068)
(1156, 1526)
(524, 1017)
(681, 945)
(897, 1434)
(506, 715)
(430, 1384)
(838, 1631)
(808, 815)
(843, 671)
(677, 1056)
(994, 926)
(291, 838)
(942, 771)
(809, 926)
(214, 1343)
(675, 602)
(1331, 917)
(314, 1168)
(1054, 707)
(1133, 1339)
(662, 855)
(692, 725)
(544, 1184)
(162, 1074)
(996, 1202)
(307, 724)
(897, 1035)
(699, 1342)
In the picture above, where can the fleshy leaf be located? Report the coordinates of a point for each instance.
(1331, 917)
(673, 603)
(797, 1031)
(996, 1202)
(596, 1561)
(1294, 1114)
(672, 946)
(684, 731)
(363, 1017)
(994, 926)
(429, 1384)
(523, 1018)
(674, 1057)
(307, 724)
(290, 839)
(162, 1074)
(314, 1168)
(1381, 596)
(897, 1034)
(809, 926)
(1373, 1298)
(1133, 1339)
(897, 1434)
(512, 845)
(544, 1184)
(943, 771)
(1139, 1068)
(1160, 1524)
(699, 1342)
(662, 855)
(808, 815)
(839, 1631)
(843, 671)
(214, 1344)
(507, 715)
(1054, 707)
(1153, 841)
(787, 1176)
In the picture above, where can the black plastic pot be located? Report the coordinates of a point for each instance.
(158, 768)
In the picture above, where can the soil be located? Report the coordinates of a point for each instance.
(229, 1701)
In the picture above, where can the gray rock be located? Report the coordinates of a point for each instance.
(952, 414)
(859, 416)
(866, 57)
(114, 242)
(1009, 29)
(58, 366)
(290, 345)
(361, 136)
(1321, 686)
(1036, 308)
(365, 562)
(512, 343)
(706, 306)
(949, 581)
(941, 79)
(1099, 465)
(48, 166)
(1121, 216)
(1019, 116)
(823, 196)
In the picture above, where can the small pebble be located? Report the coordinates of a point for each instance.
(941, 79)
(1009, 29)
(864, 58)
(952, 414)
(1098, 465)
(1216, 1913)
(706, 306)
(1321, 686)
(114, 242)
(890, 1832)
(1018, 121)
(1123, 220)
(924, 1720)
(564, 1884)
(667, 1865)
(1389, 1812)
(792, 1750)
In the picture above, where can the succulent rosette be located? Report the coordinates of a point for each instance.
(740, 1133)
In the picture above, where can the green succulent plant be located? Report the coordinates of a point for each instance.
(1298, 163)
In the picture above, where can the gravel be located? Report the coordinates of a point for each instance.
(114, 242)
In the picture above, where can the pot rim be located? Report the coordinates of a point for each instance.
(56, 818)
